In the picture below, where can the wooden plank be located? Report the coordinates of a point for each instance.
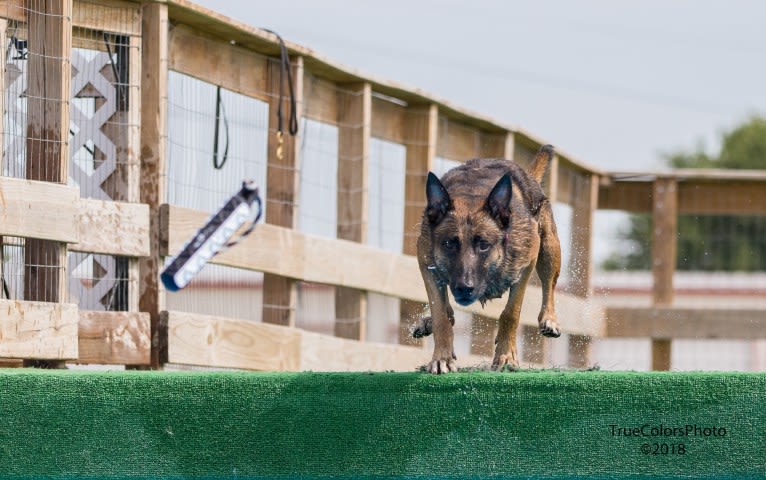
(421, 142)
(219, 62)
(114, 338)
(40, 210)
(209, 341)
(581, 259)
(387, 120)
(289, 253)
(354, 109)
(325, 353)
(282, 187)
(634, 197)
(691, 323)
(115, 17)
(722, 197)
(664, 239)
(322, 100)
(499, 145)
(13, 10)
(113, 228)
(456, 141)
(47, 156)
(154, 93)
(38, 330)
(661, 355)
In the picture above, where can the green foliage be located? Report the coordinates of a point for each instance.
(707, 242)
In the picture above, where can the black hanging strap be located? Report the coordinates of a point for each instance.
(220, 113)
(284, 70)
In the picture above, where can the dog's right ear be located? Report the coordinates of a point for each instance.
(439, 202)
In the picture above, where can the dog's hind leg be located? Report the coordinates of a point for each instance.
(508, 324)
(548, 268)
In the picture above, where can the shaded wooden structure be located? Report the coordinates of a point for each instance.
(139, 225)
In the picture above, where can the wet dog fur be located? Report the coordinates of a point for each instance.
(486, 226)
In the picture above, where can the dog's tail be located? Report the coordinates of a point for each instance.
(541, 161)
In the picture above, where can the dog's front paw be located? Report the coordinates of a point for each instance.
(550, 328)
(442, 364)
(501, 360)
(423, 328)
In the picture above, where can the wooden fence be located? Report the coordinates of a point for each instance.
(138, 226)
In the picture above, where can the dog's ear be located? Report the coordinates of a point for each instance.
(499, 201)
(439, 202)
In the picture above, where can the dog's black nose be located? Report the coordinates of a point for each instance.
(463, 293)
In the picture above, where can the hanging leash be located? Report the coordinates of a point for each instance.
(284, 71)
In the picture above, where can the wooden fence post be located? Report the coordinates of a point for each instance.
(584, 205)
(354, 128)
(421, 130)
(47, 158)
(154, 93)
(664, 239)
(282, 185)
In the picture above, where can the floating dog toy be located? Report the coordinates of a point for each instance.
(214, 237)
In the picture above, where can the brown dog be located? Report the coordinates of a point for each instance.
(487, 224)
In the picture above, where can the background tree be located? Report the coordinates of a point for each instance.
(708, 242)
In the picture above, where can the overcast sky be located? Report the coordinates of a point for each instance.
(615, 84)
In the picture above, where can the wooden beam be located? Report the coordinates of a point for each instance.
(664, 227)
(388, 120)
(47, 156)
(219, 62)
(499, 145)
(218, 342)
(41, 210)
(154, 93)
(115, 17)
(581, 258)
(322, 100)
(38, 330)
(288, 253)
(661, 355)
(692, 323)
(194, 339)
(280, 293)
(114, 338)
(634, 197)
(354, 109)
(456, 141)
(14, 10)
(421, 130)
(113, 228)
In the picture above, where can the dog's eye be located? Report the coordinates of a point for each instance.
(451, 244)
(482, 245)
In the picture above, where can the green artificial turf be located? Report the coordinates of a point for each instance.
(353, 425)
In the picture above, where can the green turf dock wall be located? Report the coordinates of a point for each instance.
(354, 425)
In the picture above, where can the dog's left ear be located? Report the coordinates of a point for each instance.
(439, 202)
(499, 201)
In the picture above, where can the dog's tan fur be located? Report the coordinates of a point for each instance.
(487, 225)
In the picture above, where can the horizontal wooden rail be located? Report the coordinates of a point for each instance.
(50, 211)
(41, 210)
(704, 192)
(292, 254)
(38, 330)
(114, 228)
(54, 331)
(217, 342)
(114, 338)
(690, 323)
